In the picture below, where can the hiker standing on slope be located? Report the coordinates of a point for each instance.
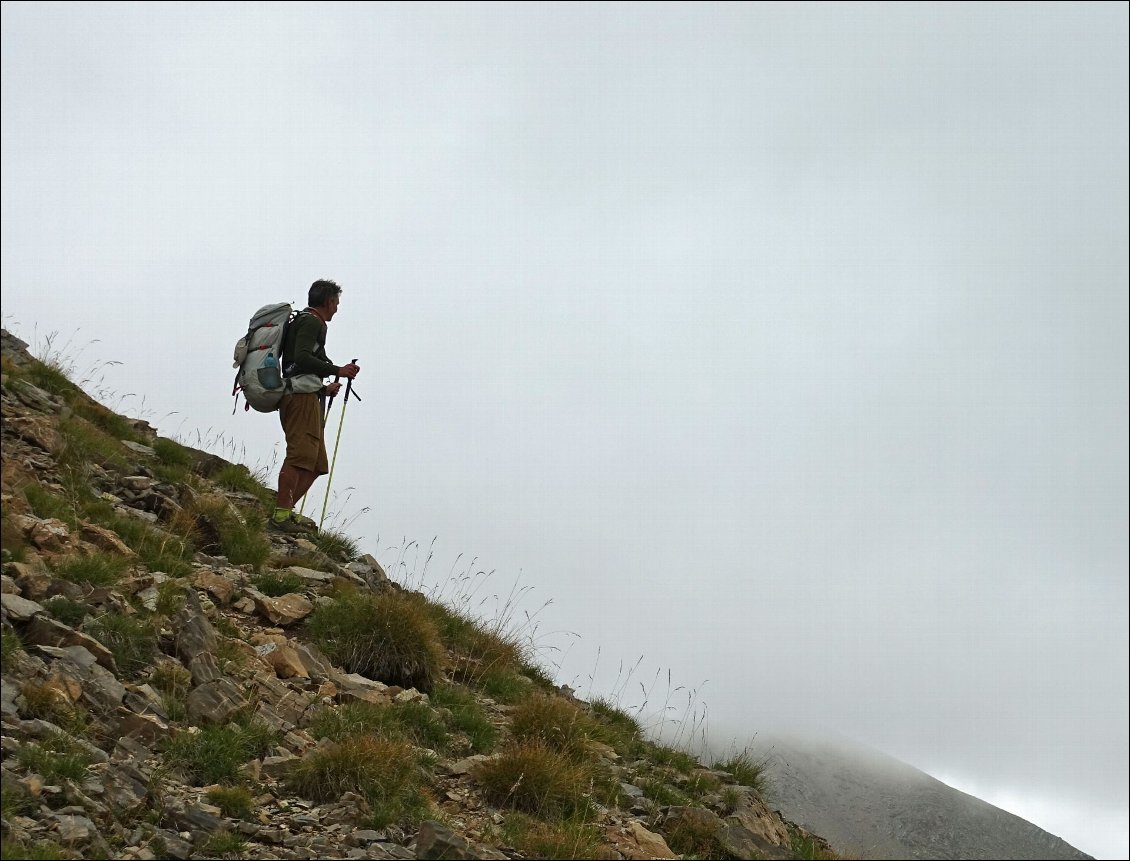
(304, 352)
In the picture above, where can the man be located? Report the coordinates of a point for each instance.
(304, 353)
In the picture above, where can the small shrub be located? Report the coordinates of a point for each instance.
(482, 650)
(278, 583)
(233, 801)
(386, 637)
(385, 771)
(55, 758)
(534, 778)
(731, 798)
(809, 848)
(49, 377)
(70, 613)
(227, 627)
(48, 505)
(133, 642)
(171, 679)
(101, 569)
(10, 643)
(537, 839)
(467, 716)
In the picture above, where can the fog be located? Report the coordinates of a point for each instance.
(771, 358)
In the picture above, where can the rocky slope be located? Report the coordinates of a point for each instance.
(875, 806)
(167, 690)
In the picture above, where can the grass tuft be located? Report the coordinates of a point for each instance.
(467, 716)
(132, 641)
(55, 758)
(414, 722)
(100, 569)
(385, 771)
(234, 801)
(386, 637)
(746, 769)
(337, 545)
(224, 844)
(278, 583)
(534, 778)
(537, 839)
(215, 753)
(10, 644)
(70, 613)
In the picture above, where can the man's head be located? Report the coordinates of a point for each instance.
(324, 295)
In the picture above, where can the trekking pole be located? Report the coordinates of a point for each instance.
(337, 442)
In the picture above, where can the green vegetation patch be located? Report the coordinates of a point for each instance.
(218, 528)
(534, 778)
(557, 723)
(43, 850)
(622, 730)
(100, 569)
(215, 753)
(747, 770)
(467, 716)
(414, 722)
(10, 644)
(537, 839)
(337, 545)
(386, 772)
(278, 583)
(233, 801)
(224, 844)
(387, 637)
(70, 613)
(55, 758)
(132, 641)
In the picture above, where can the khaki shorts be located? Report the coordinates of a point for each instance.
(301, 417)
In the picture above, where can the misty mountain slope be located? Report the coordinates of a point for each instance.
(869, 804)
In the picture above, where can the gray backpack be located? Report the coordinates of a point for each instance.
(258, 360)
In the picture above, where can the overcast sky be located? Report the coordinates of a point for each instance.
(782, 347)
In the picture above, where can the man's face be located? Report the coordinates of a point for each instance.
(331, 307)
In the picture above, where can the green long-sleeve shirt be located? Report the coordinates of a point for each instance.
(304, 350)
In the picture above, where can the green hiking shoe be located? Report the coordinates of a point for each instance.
(286, 526)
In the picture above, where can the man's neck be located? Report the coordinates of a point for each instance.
(318, 313)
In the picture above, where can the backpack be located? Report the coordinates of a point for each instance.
(258, 360)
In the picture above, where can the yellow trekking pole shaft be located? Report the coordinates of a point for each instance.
(337, 442)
